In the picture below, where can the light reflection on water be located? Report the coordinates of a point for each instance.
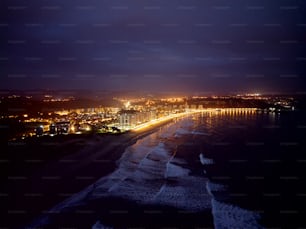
(252, 154)
(164, 167)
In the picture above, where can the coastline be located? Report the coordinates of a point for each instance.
(60, 179)
(85, 210)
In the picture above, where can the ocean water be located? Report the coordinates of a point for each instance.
(255, 164)
(221, 170)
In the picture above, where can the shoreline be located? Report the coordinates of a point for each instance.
(58, 180)
(82, 209)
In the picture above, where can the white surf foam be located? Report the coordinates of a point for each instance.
(214, 187)
(145, 180)
(146, 173)
(206, 161)
(227, 216)
(173, 171)
(230, 216)
(199, 133)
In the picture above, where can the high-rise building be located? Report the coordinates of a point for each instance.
(128, 118)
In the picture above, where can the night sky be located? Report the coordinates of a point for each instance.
(160, 45)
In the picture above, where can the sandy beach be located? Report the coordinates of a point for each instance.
(152, 186)
(33, 191)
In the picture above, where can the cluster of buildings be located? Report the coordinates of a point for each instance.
(131, 118)
(133, 113)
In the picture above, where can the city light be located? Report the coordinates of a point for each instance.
(137, 114)
(162, 119)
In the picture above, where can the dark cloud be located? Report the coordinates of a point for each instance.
(174, 45)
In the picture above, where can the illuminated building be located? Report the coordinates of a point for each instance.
(59, 128)
(128, 118)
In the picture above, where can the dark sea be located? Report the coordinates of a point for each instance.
(215, 169)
